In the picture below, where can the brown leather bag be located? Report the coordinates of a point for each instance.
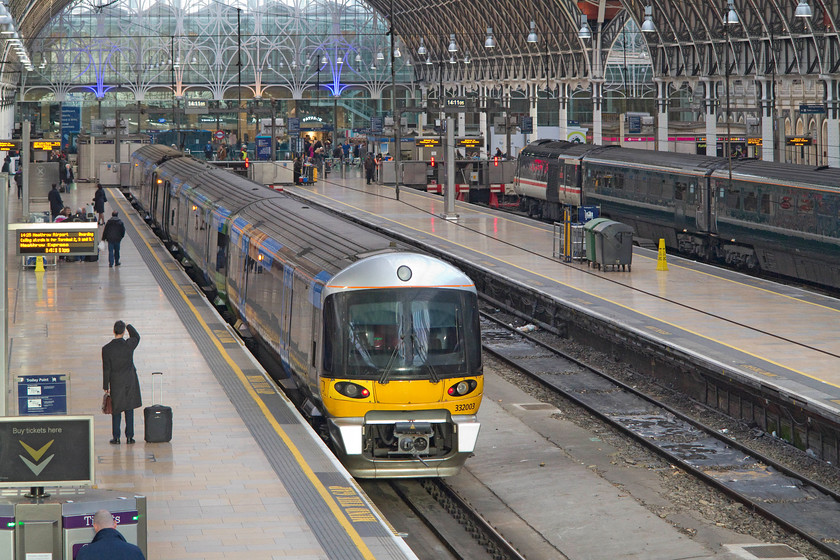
(106, 404)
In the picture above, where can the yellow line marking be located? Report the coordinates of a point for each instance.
(577, 288)
(310, 474)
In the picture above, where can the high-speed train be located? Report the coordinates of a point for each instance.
(779, 218)
(382, 343)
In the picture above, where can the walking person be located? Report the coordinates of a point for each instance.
(99, 201)
(108, 543)
(56, 204)
(119, 379)
(113, 233)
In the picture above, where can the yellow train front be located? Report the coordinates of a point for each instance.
(401, 378)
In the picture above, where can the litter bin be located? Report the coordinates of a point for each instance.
(614, 244)
(589, 238)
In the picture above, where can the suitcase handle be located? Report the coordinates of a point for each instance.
(154, 373)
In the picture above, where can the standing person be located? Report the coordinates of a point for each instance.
(19, 181)
(208, 151)
(108, 543)
(499, 153)
(113, 233)
(221, 155)
(56, 204)
(68, 176)
(296, 169)
(369, 167)
(119, 379)
(99, 201)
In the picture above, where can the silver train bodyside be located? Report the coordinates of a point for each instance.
(779, 218)
(280, 265)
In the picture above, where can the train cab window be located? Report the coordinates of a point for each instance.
(398, 334)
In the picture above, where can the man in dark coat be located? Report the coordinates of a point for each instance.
(99, 201)
(119, 379)
(370, 165)
(113, 233)
(297, 167)
(108, 543)
(56, 204)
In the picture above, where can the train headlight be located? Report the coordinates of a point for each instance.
(462, 388)
(352, 390)
(404, 273)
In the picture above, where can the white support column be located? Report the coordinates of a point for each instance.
(422, 118)
(832, 115)
(597, 119)
(662, 124)
(767, 96)
(563, 111)
(532, 111)
(482, 122)
(711, 104)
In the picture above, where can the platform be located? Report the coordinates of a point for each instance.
(244, 476)
(770, 335)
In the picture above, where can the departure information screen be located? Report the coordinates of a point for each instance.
(75, 238)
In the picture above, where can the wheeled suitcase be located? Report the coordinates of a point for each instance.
(157, 418)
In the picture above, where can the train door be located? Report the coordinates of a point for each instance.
(706, 196)
(286, 317)
(153, 195)
(554, 180)
(680, 198)
(164, 215)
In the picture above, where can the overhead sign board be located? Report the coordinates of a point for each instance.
(427, 142)
(46, 451)
(376, 124)
(196, 107)
(294, 125)
(46, 145)
(798, 141)
(6, 145)
(811, 108)
(57, 239)
(457, 103)
(469, 142)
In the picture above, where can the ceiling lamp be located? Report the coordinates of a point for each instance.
(489, 42)
(421, 50)
(467, 58)
(584, 32)
(397, 53)
(452, 46)
(380, 56)
(647, 26)
(532, 36)
(803, 10)
(452, 60)
(731, 15)
(428, 61)
(323, 60)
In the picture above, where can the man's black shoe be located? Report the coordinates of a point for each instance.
(115, 441)
(130, 440)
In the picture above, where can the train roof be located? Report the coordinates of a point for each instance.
(308, 236)
(557, 149)
(155, 153)
(784, 173)
(654, 158)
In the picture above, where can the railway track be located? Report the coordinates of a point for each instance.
(455, 524)
(796, 503)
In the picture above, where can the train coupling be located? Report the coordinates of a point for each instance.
(413, 437)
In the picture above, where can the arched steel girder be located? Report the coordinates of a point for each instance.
(690, 39)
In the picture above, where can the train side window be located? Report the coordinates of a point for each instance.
(679, 190)
(750, 202)
(766, 207)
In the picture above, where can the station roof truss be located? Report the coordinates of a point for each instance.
(690, 40)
